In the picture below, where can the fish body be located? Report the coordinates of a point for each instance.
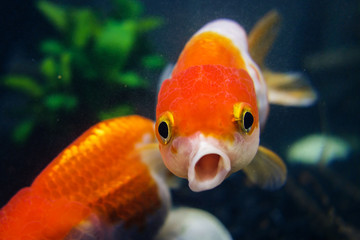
(211, 109)
(105, 185)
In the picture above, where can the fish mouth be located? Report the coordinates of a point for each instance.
(208, 168)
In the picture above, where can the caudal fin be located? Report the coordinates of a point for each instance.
(289, 89)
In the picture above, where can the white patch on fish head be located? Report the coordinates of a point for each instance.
(228, 28)
(206, 160)
(244, 149)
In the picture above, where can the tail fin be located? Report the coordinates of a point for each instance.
(289, 89)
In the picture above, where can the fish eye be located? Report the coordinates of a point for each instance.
(164, 128)
(248, 120)
(243, 117)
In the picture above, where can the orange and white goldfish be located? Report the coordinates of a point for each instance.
(211, 109)
(105, 185)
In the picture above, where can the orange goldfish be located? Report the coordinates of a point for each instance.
(105, 185)
(211, 109)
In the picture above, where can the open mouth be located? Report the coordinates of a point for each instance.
(208, 168)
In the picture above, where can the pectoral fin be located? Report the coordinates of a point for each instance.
(289, 89)
(267, 169)
(150, 155)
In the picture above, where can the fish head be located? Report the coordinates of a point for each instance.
(207, 124)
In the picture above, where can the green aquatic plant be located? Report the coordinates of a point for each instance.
(91, 69)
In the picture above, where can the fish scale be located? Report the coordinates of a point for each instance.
(100, 173)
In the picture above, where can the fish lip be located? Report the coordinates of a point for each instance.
(213, 175)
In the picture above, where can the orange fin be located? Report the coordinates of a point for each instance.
(92, 228)
(29, 216)
(267, 169)
(263, 35)
(289, 89)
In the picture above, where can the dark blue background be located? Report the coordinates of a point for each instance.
(310, 28)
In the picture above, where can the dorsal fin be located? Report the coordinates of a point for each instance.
(288, 89)
(262, 36)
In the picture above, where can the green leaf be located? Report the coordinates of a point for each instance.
(153, 61)
(52, 47)
(149, 24)
(23, 84)
(59, 101)
(121, 110)
(54, 13)
(22, 131)
(84, 65)
(128, 9)
(130, 79)
(115, 42)
(85, 25)
(64, 74)
(49, 69)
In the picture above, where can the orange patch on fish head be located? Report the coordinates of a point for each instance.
(196, 121)
(209, 48)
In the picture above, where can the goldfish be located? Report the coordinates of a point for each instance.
(212, 108)
(107, 184)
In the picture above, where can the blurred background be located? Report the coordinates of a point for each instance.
(66, 65)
